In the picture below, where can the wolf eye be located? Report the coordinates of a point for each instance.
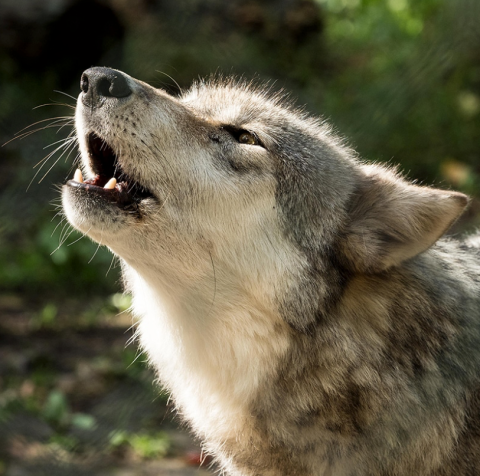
(242, 136)
(247, 138)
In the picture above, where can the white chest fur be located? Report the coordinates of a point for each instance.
(212, 364)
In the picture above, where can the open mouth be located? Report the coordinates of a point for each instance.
(110, 181)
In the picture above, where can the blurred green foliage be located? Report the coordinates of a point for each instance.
(414, 98)
(146, 445)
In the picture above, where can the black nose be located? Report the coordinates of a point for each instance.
(100, 83)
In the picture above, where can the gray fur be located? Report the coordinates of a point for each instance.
(300, 305)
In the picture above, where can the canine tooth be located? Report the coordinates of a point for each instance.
(78, 177)
(111, 183)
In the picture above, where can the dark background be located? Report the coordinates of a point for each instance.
(399, 78)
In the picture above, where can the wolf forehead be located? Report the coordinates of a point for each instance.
(238, 102)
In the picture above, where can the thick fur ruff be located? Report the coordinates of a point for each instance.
(300, 305)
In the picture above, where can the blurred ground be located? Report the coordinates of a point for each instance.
(76, 398)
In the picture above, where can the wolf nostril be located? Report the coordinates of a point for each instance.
(119, 87)
(103, 86)
(84, 83)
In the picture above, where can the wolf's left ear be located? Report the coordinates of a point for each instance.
(391, 220)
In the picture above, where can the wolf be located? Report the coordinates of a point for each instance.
(302, 307)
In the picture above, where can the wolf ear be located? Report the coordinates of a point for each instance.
(391, 220)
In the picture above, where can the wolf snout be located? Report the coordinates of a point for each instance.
(98, 84)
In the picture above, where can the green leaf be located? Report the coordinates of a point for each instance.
(56, 408)
(84, 421)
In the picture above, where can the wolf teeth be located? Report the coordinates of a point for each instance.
(111, 183)
(78, 177)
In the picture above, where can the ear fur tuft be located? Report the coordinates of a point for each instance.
(391, 220)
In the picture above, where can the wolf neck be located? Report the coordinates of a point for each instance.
(210, 353)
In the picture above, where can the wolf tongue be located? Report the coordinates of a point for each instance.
(102, 181)
(98, 181)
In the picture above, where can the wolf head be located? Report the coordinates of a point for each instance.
(228, 190)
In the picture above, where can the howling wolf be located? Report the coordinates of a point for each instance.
(300, 305)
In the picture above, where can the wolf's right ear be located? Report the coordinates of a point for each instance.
(391, 220)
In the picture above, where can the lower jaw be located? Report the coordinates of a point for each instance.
(126, 194)
(118, 194)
